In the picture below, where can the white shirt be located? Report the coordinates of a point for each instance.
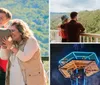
(16, 77)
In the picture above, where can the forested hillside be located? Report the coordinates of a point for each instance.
(55, 19)
(89, 19)
(36, 14)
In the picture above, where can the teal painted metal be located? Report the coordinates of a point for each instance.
(80, 56)
(78, 77)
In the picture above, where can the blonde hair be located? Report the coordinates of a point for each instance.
(23, 28)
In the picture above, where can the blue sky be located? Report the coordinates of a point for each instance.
(73, 5)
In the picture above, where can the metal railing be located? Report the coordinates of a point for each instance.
(84, 37)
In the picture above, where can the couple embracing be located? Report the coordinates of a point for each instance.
(70, 30)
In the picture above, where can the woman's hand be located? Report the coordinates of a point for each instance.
(7, 43)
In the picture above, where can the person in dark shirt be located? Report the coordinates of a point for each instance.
(63, 31)
(74, 28)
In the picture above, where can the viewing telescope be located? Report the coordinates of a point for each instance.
(4, 32)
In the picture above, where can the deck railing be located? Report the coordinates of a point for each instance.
(84, 37)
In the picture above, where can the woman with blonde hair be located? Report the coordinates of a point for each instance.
(23, 53)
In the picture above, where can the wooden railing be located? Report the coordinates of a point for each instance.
(89, 37)
(54, 36)
(84, 37)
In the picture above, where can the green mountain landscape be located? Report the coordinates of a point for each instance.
(36, 14)
(89, 19)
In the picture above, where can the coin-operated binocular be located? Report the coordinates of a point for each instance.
(4, 33)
